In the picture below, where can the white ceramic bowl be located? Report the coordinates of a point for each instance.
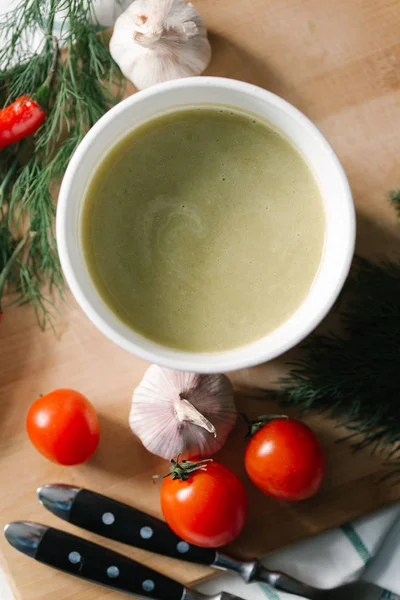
(336, 194)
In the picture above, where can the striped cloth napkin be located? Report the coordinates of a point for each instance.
(368, 549)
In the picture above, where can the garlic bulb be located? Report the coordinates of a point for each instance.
(175, 413)
(158, 40)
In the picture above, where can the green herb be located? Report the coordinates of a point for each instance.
(82, 92)
(256, 424)
(395, 198)
(184, 468)
(355, 378)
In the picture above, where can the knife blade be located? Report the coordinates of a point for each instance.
(81, 558)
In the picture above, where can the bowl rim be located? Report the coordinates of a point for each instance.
(210, 362)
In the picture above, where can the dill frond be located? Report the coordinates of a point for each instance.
(355, 378)
(30, 173)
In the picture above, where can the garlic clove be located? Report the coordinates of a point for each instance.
(176, 413)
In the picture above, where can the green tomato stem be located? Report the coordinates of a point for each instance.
(259, 423)
(182, 470)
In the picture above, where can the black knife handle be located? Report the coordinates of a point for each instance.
(125, 524)
(89, 561)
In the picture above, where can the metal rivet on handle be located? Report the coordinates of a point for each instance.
(108, 518)
(148, 585)
(113, 572)
(182, 547)
(146, 533)
(74, 558)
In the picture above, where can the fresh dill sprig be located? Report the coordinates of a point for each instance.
(86, 83)
(355, 378)
(395, 199)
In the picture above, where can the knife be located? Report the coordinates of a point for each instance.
(76, 556)
(91, 562)
(117, 521)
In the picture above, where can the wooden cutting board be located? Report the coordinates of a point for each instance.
(337, 61)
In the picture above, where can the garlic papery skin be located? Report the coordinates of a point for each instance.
(159, 40)
(177, 413)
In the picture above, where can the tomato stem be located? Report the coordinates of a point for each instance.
(257, 424)
(182, 470)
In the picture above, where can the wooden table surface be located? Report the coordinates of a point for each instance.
(338, 62)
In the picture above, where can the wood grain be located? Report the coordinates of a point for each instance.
(337, 61)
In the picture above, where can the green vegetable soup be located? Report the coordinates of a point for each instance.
(203, 229)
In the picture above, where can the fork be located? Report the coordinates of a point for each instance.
(98, 564)
(117, 521)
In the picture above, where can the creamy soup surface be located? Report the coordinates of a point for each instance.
(203, 229)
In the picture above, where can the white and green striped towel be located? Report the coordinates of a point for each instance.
(368, 548)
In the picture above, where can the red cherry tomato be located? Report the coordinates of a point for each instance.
(209, 509)
(285, 460)
(63, 426)
(20, 119)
